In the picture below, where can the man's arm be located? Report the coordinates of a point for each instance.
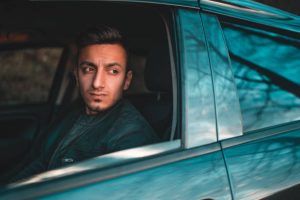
(132, 139)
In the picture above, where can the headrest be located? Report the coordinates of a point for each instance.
(158, 76)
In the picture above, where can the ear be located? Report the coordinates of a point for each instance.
(128, 79)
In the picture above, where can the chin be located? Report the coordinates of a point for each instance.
(98, 107)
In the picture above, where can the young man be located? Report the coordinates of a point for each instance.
(107, 122)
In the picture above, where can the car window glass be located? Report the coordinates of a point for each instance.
(266, 70)
(26, 74)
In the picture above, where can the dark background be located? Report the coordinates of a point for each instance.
(292, 6)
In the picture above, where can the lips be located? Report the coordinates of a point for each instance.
(100, 94)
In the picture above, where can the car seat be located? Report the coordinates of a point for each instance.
(157, 105)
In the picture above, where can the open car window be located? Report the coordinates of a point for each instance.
(154, 85)
(172, 88)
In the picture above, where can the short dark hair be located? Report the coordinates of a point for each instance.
(101, 34)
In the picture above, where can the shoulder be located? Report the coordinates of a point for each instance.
(130, 117)
(130, 129)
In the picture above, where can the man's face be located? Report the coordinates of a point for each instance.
(101, 76)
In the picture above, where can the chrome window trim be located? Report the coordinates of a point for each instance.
(181, 81)
(174, 154)
(261, 134)
(174, 81)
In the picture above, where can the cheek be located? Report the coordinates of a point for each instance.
(84, 82)
(116, 86)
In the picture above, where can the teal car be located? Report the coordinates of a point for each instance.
(219, 82)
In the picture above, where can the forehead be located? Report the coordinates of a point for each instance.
(103, 52)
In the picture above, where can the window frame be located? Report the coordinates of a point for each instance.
(113, 159)
(166, 152)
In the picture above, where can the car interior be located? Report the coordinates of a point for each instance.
(55, 25)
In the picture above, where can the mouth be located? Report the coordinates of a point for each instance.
(98, 94)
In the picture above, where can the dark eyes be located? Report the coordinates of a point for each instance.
(90, 69)
(113, 71)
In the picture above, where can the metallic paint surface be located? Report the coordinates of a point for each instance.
(196, 178)
(262, 167)
(228, 111)
(101, 162)
(199, 122)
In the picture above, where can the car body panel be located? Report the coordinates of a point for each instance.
(102, 162)
(200, 177)
(260, 167)
(228, 113)
(148, 178)
(199, 124)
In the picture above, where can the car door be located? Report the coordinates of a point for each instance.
(264, 161)
(191, 166)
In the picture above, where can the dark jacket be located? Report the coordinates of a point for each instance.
(121, 127)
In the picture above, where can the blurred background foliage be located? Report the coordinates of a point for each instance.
(26, 75)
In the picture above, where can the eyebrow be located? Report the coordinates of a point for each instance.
(87, 63)
(113, 64)
(108, 65)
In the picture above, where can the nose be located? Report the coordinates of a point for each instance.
(99, 80)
